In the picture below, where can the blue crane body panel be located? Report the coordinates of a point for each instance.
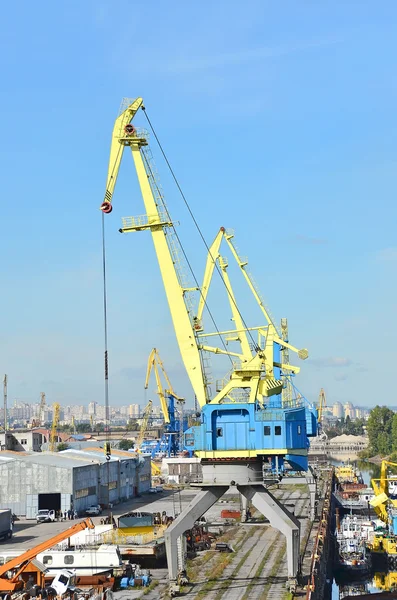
(247, 427)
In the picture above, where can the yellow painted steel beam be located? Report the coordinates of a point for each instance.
(116, 148)
(245, 347)
(174, 292)
(155, 223)
(212, 256)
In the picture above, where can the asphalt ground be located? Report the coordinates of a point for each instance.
(27, 533)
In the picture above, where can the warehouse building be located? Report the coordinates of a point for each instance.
(70, 480)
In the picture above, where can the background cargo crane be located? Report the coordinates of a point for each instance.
(244, 427)
(144, 424)
(56, 407)
(172, 441)
(21, 563)
(42, 408)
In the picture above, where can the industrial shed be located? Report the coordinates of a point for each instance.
(69, 479)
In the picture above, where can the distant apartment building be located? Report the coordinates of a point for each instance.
(337, 410)
(134, 411)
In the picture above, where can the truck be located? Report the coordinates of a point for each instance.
(6, 524)
(93, 510)
(45, 516)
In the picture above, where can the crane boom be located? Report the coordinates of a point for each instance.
(23, 560)
(55, 422)
(158, 221)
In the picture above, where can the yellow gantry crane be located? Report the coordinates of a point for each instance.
(154, 362)
(322, 404)
(171, 431)
(56, 407)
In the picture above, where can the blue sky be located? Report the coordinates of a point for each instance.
(280, 122)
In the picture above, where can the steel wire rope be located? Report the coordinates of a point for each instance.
(257, 348)
(106, 382)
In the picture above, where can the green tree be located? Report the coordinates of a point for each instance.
(132, 425)
(126, 444)
(379, 428)
(394, 432)
(62, 446)
(83, 427)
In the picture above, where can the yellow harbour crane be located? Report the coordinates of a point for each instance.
(244, 424)
(56, 407)
(154, 362)
(322, 404)
(254, 371)
(172, 441)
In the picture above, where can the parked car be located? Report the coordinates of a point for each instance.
(93, 510)
(152, 490)
(159, 488)
(45, 516)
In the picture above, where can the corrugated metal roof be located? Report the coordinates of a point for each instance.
(6, 458)
(54, 459)
(97, 457)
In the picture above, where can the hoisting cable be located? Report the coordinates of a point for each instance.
(257, 348)
(105, 324)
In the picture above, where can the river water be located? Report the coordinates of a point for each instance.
(377, 581)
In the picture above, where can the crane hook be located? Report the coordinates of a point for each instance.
(106, 207)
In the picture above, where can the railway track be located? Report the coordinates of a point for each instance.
(256, 571)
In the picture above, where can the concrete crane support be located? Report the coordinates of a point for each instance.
(198, 506)
(244, 508)
(280, 518)
(219, 480)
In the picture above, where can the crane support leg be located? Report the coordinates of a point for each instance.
(197, 507)
(280, 518)
(244, 506)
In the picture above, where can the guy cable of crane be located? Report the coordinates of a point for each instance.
(255, 345)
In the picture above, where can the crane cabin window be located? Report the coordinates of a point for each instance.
(266, 430)
(277, 430)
